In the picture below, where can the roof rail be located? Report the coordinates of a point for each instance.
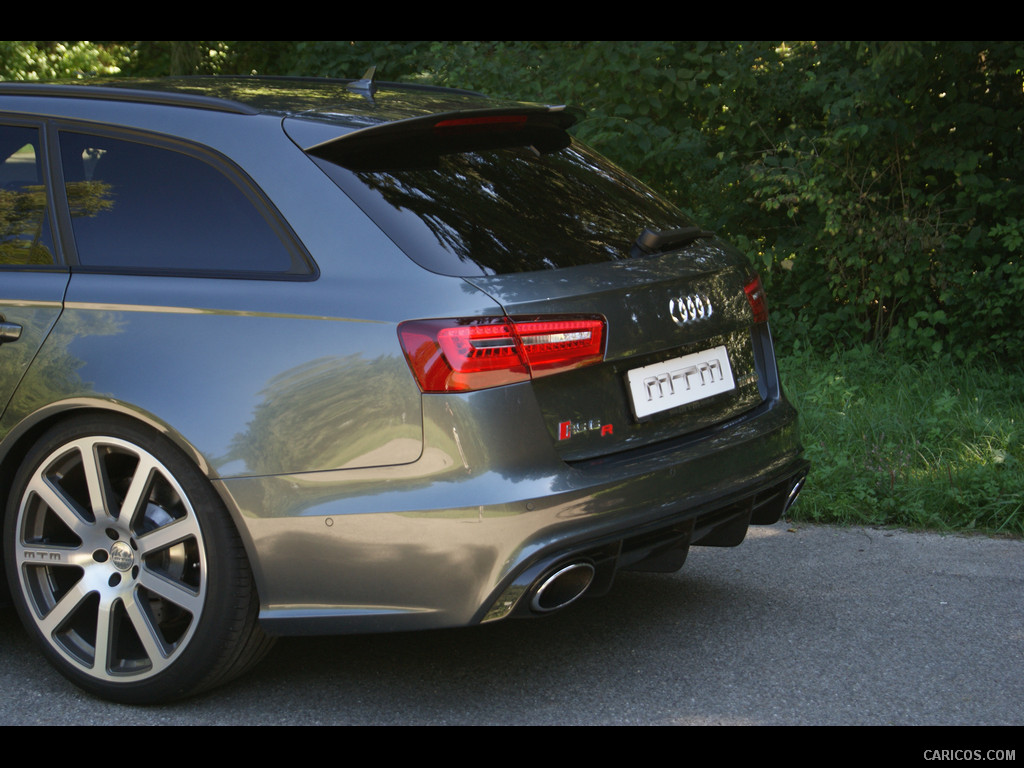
(85, 90)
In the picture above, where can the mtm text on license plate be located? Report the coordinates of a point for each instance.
(679, 381)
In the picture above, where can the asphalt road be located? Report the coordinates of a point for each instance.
(798, 626)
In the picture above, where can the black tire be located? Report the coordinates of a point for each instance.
(125, 566)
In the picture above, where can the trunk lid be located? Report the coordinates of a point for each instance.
(682, 317)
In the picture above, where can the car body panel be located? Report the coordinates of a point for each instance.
(444, 534)
(589, 411)
(33, 302)
(226, 376)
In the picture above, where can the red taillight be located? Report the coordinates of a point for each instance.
(757, 299)
(461, 355)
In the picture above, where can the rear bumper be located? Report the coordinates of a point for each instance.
(660, 546)
(461, 535)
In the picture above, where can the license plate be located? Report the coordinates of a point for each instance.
(681, 380)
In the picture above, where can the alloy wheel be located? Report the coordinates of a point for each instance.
(111, 559)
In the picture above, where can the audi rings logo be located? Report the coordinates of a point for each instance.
(689, 309)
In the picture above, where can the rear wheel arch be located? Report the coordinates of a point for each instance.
(214, 551)
(15, 445)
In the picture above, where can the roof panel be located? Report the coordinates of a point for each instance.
(318, 98)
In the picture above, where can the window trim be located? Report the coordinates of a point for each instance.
(303, 269)
(60, 263)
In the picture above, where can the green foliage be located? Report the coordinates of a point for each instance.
(49, 60)
(901, 180)
(314, 58)
(931, 444)
(395, 60)
(159, 58)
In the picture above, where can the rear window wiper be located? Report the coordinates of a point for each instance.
(653, 241)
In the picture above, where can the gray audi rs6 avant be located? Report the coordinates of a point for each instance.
(296, 356)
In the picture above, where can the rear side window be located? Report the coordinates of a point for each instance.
(25, 237)
(137, 206)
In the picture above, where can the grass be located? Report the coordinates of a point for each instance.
(922, 444)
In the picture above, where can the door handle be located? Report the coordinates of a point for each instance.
(9, 331)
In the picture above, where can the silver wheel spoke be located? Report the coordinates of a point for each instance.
(99, 493)
(104, 637)
(148, 634)
(135, 496)
(173, 592)
(50, 623)
(167, 535)
(59, 505)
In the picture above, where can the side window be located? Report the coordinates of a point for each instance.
(25, 238)
(139, 206)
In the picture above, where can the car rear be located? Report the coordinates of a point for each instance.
(628, 376)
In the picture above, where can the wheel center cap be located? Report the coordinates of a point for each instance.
(121, 556)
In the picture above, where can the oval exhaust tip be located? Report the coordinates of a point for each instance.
(562, 587)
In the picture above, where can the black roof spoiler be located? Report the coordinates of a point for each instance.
(418, 141)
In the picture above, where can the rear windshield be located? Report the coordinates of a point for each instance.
(509, 210)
